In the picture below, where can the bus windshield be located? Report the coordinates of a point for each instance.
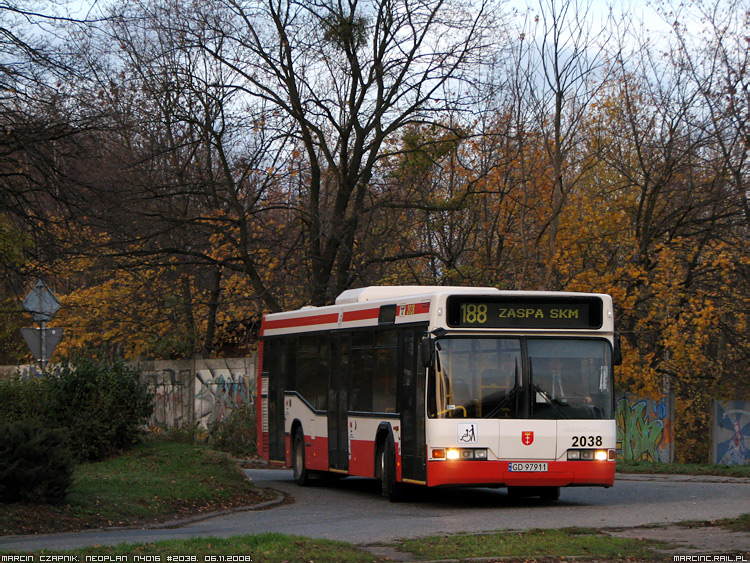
(553, 378)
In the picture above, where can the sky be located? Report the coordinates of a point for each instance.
(640, 10)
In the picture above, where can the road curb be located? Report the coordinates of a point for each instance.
(278, 500)
(678, 478)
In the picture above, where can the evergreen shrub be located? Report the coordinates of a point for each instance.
(102, 404)
(35, 463)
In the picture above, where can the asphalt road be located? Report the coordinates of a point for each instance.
(352, 510)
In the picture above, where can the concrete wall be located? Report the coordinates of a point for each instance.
(730, 432)
(645, 429)
(27, 370)
(198, 391)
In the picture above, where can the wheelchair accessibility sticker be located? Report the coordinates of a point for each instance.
(468, 432)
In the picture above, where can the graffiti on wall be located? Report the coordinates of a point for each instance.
(218, 392)
(187, 392)
(171, 392)
(644, 429)
(731, 432)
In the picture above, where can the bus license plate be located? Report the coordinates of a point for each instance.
(527, 467)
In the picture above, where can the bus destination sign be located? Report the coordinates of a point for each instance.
(527, 312)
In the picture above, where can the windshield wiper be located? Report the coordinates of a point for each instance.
(506, 401)
(539, 391)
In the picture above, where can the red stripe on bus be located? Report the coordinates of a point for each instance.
(422, 308)
(332, 318)
(295, 322)
(361, 315)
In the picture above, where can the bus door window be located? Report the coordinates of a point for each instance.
(385, 372)
(311, 373)
(461, 385)
(441, 384)
(361, 374)
(476, 377)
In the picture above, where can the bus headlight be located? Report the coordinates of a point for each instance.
(480, 454)
(591, 455)
(466, 454)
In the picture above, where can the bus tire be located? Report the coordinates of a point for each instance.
(515, 492)
(392, 490)
(301, 474)
(549, 493)
(544, 493)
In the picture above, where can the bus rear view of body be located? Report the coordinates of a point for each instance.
(443, 386)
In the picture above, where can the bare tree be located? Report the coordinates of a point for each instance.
(38, 123)
(565, 68)
(719, 67)
(189, 175)
(342, 78)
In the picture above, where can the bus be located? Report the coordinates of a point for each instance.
(443, 386)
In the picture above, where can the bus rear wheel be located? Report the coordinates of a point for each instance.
(301, 474)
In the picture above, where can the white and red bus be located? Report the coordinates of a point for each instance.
(443, 386)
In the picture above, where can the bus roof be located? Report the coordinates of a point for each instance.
(379, 292)
(379, 305)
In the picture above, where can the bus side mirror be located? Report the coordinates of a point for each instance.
(617, 353)
(426, 351)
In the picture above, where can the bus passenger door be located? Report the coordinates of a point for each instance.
(410, 403)
(338, 383)
(275, 365)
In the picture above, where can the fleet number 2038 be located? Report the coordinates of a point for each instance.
(587, 441)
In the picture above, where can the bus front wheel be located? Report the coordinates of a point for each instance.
(392, 489)
(301, 474)
(549, 493)
(544, 493)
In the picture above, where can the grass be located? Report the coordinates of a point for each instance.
(268, 548)
(560, 543)
(157, 481)
(683, 468)
(532, 545)
(739, 524)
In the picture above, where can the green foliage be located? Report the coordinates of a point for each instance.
(347, 32)
(35, 463)
(103, 405)
(23, 399)
(237, 433)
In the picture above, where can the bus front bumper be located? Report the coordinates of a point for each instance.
(500, 473)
